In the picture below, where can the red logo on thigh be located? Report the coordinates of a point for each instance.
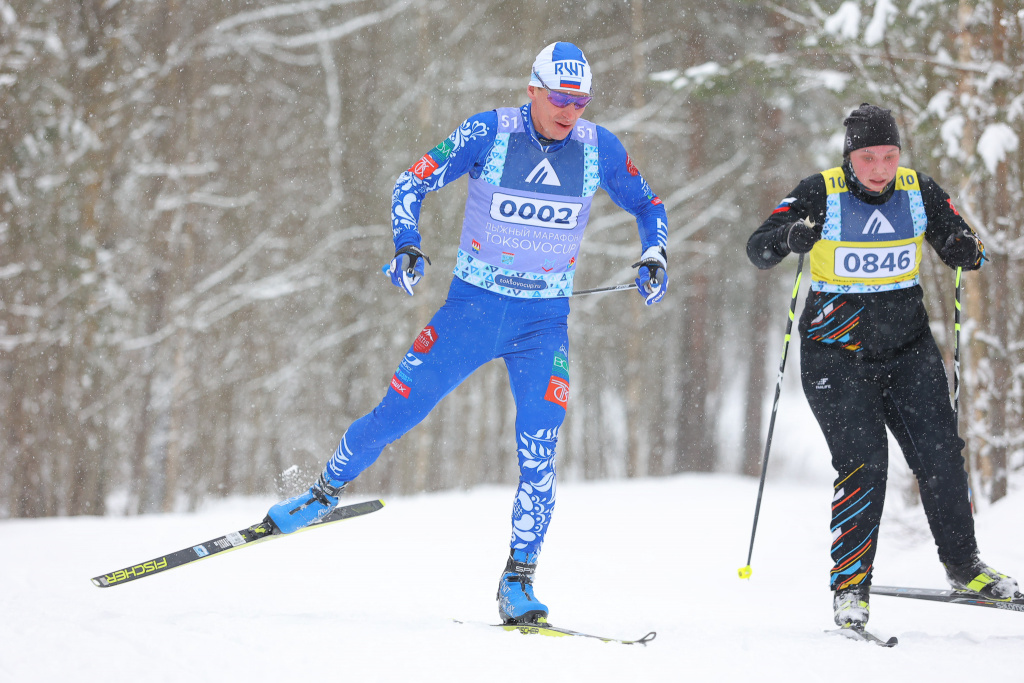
(425, 340)
(397, 385)
(558, 391)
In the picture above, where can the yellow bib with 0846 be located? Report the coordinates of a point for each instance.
(866, 247)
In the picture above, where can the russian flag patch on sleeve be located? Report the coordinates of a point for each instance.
(784, 205)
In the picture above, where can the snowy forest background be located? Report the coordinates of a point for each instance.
(194, 209)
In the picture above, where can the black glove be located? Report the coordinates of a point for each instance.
(801, 236)
(964, 250)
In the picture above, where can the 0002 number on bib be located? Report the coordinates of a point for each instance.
(537, 213)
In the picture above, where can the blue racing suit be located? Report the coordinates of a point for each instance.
(527, 208)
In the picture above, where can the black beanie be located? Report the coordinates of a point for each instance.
(869, 126)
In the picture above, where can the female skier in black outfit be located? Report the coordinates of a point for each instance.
(868, 359)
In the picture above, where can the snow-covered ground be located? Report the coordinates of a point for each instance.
(372, 599)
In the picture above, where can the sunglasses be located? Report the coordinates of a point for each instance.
(564, 99)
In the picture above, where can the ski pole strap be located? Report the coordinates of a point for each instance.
(653, 259)
(414, 253)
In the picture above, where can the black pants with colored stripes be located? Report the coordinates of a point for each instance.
(854, 399)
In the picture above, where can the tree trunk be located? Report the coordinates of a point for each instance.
(1002, 365)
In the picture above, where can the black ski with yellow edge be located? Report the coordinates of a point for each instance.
(543, 628)
(956, 597)
(257, 533)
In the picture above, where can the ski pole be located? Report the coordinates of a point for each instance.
(956, 350)
(746, 571)
(956, 380)
(613, 288)
(616, 288)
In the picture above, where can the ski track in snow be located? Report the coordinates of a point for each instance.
(372, 599)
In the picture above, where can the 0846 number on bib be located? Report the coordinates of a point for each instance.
(875, 262)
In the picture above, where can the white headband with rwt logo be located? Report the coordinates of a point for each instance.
(562, 66)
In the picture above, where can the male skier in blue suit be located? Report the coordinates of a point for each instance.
(533, 172)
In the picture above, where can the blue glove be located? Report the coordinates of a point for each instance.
(406, 268)
(652, 278)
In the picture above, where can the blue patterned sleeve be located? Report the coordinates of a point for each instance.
(628, 189)
(457, 155)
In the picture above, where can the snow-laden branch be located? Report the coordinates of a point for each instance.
(223, 36)
(9, 342)
(332, 133)
(678, 244)
(197, 312)
(791, 15)
(993, 441)
(7, 14)
(10, 183)
(415, 90)
(327, 34)
(997, 140)
(699, 186)
(286, 9)
(307, 352)
(175, 171)
(292, 281)
(990, 340)
(882, 55)
(706, 181)
(224, 272)
(177, 201)
(633, 117)
(11, 270)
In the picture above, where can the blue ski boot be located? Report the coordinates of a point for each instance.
(307, 508)
(516, 602)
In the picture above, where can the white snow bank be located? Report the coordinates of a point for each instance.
(372, 599)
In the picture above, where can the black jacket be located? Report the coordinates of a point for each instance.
(878, 323)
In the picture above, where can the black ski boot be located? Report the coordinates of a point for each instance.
(851, 606)
(978, 577)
